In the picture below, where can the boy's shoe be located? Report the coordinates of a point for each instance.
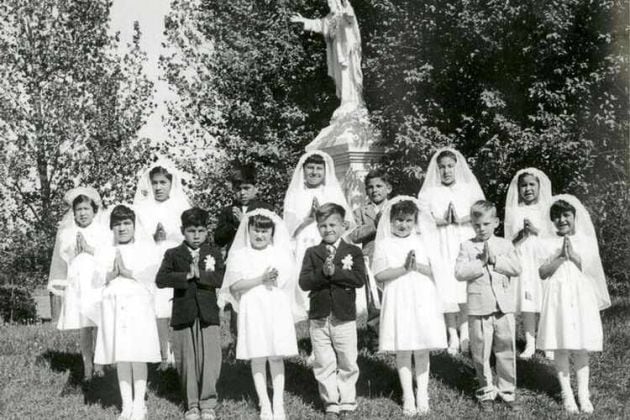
(331, 416)
(486, 406)
(192, 414)
(346, 414)
(208, 414)
(512, 405)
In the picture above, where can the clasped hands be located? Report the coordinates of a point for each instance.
(568, 253)
(270, 278)
(160, 233)
(81, 245)
(487, 256)
(450, 217)
(529, 228)
(118, 269)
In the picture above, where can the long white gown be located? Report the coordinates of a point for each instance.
(124, 310)
(411, 311)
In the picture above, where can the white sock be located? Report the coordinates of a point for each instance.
(582, 372)
(259, 373)
(139, 384)
(529, 324)
(561, 361)
(276, 367)
(123, 369)
(422, 361)
(403, 364)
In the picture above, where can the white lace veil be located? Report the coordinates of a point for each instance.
(512, 226)
(463, 174)
(281, 243)
(296, 206)
(144, 191)
(591, 262)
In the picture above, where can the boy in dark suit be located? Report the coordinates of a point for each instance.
(195, 271)
(331, 271)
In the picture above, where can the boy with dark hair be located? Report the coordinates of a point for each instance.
(331, 271)
(195, 271)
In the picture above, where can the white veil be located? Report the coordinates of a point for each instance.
(281, 243)
(296, 207)
(144, 191)
(424, 225)
(58, 268)
(512, 226)
(592, 263)
(463, 175)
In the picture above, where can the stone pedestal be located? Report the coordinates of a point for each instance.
(351, 140)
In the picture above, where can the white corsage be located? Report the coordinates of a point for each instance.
(209, 263)
(347, 262)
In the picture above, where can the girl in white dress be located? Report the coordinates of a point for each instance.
(574, 292)
(314, 183)
(527, 224)
(258, 284)
(124, 310)
(412, 320)
(72, 270)
(159, 202)
(449, 190)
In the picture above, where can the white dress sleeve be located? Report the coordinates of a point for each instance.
(381, 258)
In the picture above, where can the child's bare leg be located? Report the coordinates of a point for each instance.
(139, 371)
(580, 360)
(450, 318)
(259, 373)
(561, 360)
(421, 360)
(463, 328)
(403, 364)
(276, 367)
(529, 325)
(87, 351)
(163, 331)
(125, 379)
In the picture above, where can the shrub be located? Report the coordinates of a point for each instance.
(17, 304)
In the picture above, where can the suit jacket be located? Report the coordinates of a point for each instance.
(334, 295)
(227, 225)
(365, 233)
(197, 297)
(490, 289)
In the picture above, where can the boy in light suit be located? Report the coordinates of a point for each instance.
(489, 265)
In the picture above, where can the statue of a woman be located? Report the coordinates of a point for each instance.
(343, 52)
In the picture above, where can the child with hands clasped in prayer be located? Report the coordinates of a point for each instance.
(257, 283)
(487, 265)
(574, 292)
(331, 272)
(411, 322)
(449, 190)
(527, 225)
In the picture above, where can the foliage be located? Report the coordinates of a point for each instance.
(70, 108)
(17, 304)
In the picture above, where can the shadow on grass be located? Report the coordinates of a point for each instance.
(538, 377)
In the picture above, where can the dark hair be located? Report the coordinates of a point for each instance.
(446, 154)
(328, 209)
(194, 217)
(404, 207)
(315, 158)
(244, 174)
(82, 198)
(377, 173)
(560, 207)
(482, 207)
(158, 170)
(523, 175)
(261, 222)
(120, 213)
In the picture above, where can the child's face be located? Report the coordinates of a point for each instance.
(565, 223)
(377, 190)
(528, 189)
(446, 166)
(246, 193)
(314, 174)
(260, 238)
(331, 228)
(83, 214)
(403, 224)
(195, 235)
(161, 187)
(485, 225)
(123, 231)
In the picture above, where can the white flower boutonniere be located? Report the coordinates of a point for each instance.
(347, 262)
(209, 263)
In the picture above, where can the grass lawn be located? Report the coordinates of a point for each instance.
(40, 378)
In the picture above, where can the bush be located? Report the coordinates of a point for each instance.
(17, 304)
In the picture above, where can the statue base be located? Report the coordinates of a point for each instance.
(352, 141)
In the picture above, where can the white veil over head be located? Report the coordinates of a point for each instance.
(144, 190)
(512, 226)
(591, 260)
(281, 243)
(463, 174)
(141, 233)
(425, 225)
(296, 202)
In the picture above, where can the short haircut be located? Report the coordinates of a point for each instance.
(194, 217)
(404, 207)
(523, 175)
(261, 222)
(158, 170)
(315, 158)
(481, 208)
(82, 198)
(560, 207)
(446, 154)
(120, 213)
(328, 209)
(244, 174)
(377, 173)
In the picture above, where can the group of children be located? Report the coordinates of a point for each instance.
(432, 264)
